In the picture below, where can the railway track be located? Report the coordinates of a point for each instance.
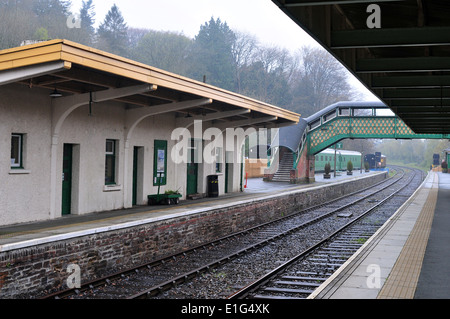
(301, 275)
(166, 277)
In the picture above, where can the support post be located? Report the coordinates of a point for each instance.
(305, 171)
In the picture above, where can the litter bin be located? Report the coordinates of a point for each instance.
(213, 186)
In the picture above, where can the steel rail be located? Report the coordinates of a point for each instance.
(254, 286)
(155, 290)
(121, 274)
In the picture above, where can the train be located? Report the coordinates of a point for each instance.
(436, 161)
(376, 160)
(343, 157)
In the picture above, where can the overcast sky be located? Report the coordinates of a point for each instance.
(262, 18)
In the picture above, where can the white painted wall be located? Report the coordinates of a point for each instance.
(25, 195)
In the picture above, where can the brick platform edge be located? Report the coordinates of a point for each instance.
(34, 271)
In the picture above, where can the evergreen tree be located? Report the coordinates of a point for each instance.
(81, 28)
(212, 54)
(32, 20)
(51, 7)
(52, 15)
(112, 33)
(87, 16)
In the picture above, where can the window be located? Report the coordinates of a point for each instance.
(219, 160)
(110, 162)
(16, 151)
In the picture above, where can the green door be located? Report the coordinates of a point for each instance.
(135, 174)
(192, 175)
(227, 173)
(192, 172)
(67, 179)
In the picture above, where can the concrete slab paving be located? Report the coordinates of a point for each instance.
(393, 253)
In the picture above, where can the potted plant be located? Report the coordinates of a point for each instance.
(327, 171)
(349, 168)
(444, 166)
(366, 166)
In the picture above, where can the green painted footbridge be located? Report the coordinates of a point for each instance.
(343, 120)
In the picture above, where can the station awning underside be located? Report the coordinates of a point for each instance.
(76, 70)
(405, 62)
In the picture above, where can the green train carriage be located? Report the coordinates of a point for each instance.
(327, 156)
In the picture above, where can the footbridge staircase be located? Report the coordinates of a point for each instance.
(339, 121)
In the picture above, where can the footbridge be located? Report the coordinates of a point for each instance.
(344, 120)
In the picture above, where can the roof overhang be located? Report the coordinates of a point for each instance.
(406, 62)
(77, 70)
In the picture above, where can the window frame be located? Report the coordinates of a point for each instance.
(111, 155)
(219, 160)
(20, 164)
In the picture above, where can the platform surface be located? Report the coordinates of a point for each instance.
(30, 234)
(407, 258)
(434, 280)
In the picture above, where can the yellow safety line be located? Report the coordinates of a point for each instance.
(402, 281)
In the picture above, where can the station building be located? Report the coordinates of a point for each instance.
(84, 131)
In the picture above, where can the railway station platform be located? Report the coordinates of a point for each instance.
(407, 258)
(101, 243)
(29, 234)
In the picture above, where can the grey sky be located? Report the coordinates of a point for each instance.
(261, 18)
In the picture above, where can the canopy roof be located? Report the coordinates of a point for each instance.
(74, 69)
(406, 62)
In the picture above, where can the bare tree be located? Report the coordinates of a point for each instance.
(13, 30)
(321, 80)
(243, 50)
(135, 35)
(268, 76)
(164, 50)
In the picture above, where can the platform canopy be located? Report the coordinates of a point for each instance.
(74, 71)
(399, 49)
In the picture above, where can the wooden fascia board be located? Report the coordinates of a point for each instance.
(72, 52)
(30, 55)
(140, 72)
